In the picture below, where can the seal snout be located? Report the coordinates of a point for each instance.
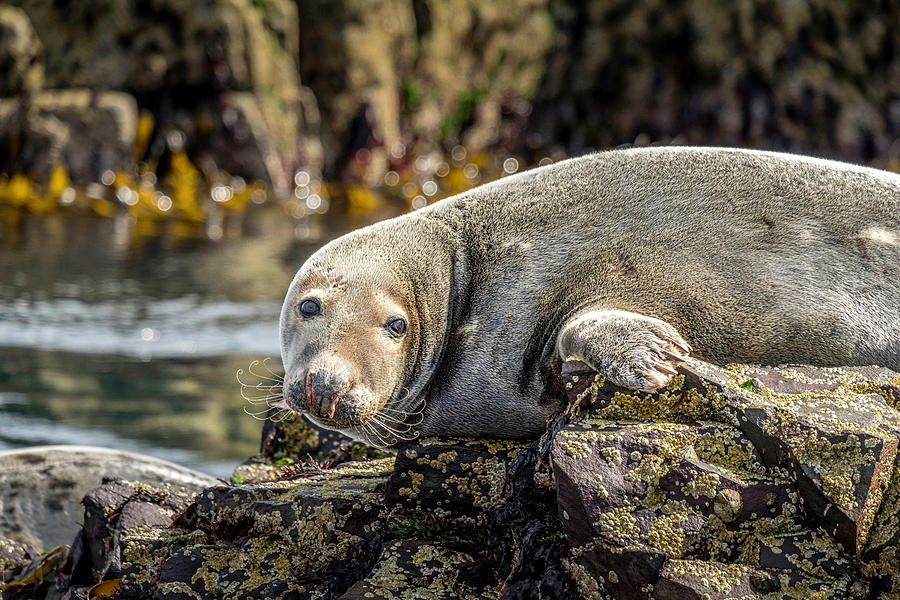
(325, 387)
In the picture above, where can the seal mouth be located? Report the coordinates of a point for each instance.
(316, 406)
(382, 428)
(355, 411)
(326, 391)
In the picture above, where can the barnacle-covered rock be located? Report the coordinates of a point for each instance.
(415, 570)
(454, 477)
(837, 434)
(115, 508)
(881, 555)
(257, 540)
(13, 553)
(296, 440)
(704, 580)
(779, 470)
(41, 489)
(634, 495)
(743, 482)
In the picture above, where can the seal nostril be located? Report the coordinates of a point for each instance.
(324, 390)
(311, 394)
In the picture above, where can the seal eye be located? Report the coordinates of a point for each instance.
(310, 307)
(396, 327)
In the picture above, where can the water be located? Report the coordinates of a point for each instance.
(111, 339)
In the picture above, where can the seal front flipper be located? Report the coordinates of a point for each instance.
(629, 349)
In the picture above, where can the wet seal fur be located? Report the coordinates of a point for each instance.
(626, 260)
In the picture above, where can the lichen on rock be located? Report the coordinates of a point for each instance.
(736, 492)
(785, 487)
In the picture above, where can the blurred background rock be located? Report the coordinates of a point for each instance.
(263, 88)
(164, 158)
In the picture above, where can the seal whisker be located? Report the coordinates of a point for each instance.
(260, 399)
(396, 434)
(257, 415)
(281, 415)
(258, 386)
(256, 363)
(404, 412)
(405, 396)
(263, 386)
(364, 433)
(416, 422)
(270, 394)
(402, 420)
(371, 430)
(418, 411)
(252, 398)
(391, 418)
(265, 401)
(393, 412)
(265, 363)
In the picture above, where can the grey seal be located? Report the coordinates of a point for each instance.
(454, 320)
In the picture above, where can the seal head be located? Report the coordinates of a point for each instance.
(362, 326)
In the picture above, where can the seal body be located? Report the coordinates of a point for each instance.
(626, 260)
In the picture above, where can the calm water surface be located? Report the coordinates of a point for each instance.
(113, 340)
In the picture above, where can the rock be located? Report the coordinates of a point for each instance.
(357, 88)
(41, 488)
(881, 554)
(21, 67)
(451, 477)
(297, 441)
(429, 569)
(751, 489)
(117, 507)
(34, 577)
(631, 496)
(700, 580)
(353, 55)
(298, 437)
(756, 75)
(479, 67)
(245, 145)
(835, 430)
(233, 44)
(706, 489)
(391, 74)
(13, 553)
(87, 132)
(232, 65)
(257, 540)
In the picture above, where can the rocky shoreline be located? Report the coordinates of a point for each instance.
(742, 482)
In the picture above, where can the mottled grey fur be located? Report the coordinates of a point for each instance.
(750, 256)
